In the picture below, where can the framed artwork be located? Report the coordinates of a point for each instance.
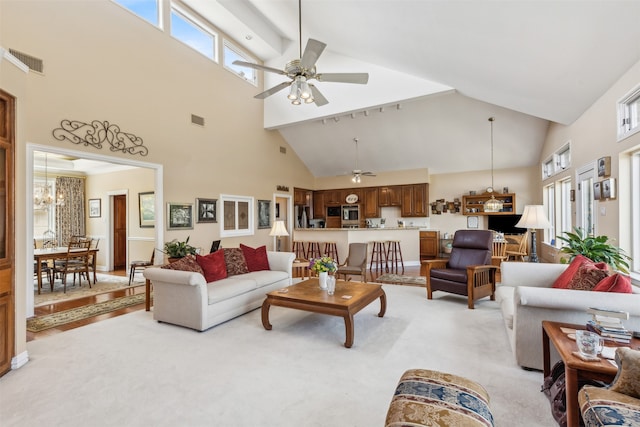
(472, 222)
(609, 188)
(147, 206)
(597, 190)
(604, 166)
(264, 214)
(237, 215)
(277, 210)
(95, 208)
(180, 216)
(207, 210)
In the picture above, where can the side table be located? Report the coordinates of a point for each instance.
(601, 370)
(301, 266)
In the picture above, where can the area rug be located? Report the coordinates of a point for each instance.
(105, 283)
(47, 321)
(399, 279)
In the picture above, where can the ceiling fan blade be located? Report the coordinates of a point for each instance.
(311, 53)
(358, 78)
(273, 90)
(368, 174)
(259, 67)
(318, 98)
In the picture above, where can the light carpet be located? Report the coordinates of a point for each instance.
(105, 283)
(399, 279)
(133, 371)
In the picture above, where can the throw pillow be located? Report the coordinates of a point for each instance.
(587, 277)
(213, 266)
(615, 283)
(256, 258)
(235, 261)
(187, 263)
(627, 380)
(563, 280)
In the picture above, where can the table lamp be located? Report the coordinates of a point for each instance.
(533, 218)
(278, 230)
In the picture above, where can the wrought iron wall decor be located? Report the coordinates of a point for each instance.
(97, 133)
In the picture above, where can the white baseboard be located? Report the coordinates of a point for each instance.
(20, 360)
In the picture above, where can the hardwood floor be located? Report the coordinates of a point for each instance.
(65, 305)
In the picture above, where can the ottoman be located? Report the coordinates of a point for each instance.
(432, 398)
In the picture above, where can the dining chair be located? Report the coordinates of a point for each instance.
(49, 239)
(76, 261)
(44, 268)
(499, 250)
(356, 262)
(522, 249)
(140, 265)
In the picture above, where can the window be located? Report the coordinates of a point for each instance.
(585, 201)
(237, 216)
(559, 161)
(232, 53)
(149, 10)
(565, 207)
(635, 214)
(629, 114)
(192, 33)
(550, 208)
(547, 168)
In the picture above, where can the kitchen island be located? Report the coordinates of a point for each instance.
(409, 238)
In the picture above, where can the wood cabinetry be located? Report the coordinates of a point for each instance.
(301, 197)
(429, 241)
(371, 206)
(414, 200)
(474, 205)
(319, 211)
(332, 197)
(390, 196)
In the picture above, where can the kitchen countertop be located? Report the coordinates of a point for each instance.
(365, 229)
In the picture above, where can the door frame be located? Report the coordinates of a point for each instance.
(588, 168)
(289, 198)
(27, 279)
(110, 227)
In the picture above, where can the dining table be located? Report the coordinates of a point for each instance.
(41, 255)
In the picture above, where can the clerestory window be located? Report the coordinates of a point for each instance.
(629, 114)
(193, 33)
(149, 10)
(232, 53)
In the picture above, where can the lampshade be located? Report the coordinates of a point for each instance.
(534, 218)
(278, 229)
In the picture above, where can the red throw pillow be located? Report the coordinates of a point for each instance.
(562, 282)
(615, 283)
(587, 277)
(213, 266)
(256, 258)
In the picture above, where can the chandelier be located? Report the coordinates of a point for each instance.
(493, 204)
(43, 196)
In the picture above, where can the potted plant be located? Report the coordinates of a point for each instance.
(595, 248)
(176, 249)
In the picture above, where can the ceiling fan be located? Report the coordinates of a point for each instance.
(357, 173)
(301, 70)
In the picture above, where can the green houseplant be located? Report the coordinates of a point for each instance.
(595, 248)
(178, 249)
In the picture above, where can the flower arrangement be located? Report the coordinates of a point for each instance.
(323, 264)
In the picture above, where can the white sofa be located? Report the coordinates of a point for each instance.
(184, 298)
(526, 298)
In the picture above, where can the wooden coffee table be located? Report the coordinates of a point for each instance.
(575, 367)
(308, 296)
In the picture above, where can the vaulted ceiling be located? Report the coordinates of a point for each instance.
(438, 70)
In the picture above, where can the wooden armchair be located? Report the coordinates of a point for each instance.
(468, 271)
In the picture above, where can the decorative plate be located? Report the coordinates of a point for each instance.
(352, 198)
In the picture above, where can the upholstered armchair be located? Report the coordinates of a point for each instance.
(356, 262)
(468, 271)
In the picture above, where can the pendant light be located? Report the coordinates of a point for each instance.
(493, 204)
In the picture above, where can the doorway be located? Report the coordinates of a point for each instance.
(119, 237)
(586, 199)
(283, 212)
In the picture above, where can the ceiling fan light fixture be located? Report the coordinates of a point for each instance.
(309, 100)
(293, 92)
(296, 101)
(356, 179)
(305, 90)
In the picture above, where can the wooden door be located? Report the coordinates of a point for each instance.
(119, 232)
(7, 233)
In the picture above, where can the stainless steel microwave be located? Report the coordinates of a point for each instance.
(334, 210)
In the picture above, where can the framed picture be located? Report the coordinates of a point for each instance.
(472, 222)
(604, 166)
(207, 210)
(609, 188)
(277, 210)
(264, 214)
(180, 216)
(597, 190)
(147, 206)
(95, 208)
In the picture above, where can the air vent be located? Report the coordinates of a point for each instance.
(283, 150)
(34, 64)
(197, 120)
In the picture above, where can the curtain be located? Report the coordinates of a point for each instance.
(70, 213)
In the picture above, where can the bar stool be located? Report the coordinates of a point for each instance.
(331, 249)
(298, 248)
(394, 253)
(378, 256)
(313, 250)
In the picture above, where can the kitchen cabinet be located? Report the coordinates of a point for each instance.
(333, 197)
(414, 200)
(301, 197)
(348, 191)
(429, 243)
(390, 196)
(371, 206)
(319, 210)
(474, 204)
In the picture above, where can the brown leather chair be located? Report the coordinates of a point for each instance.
(468, 271)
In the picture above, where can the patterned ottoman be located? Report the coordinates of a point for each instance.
(432, 398)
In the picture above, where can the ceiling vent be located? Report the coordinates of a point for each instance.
(34, 64)
(283, 150)
(197, 120)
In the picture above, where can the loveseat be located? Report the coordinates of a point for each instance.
(526, 298)
(185, 298)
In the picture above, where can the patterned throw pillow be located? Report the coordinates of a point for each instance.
(234, 259)
(213, 266)
(587, 277)
(256, 258)
(627, 380)
(187, 263)
(615, 283)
